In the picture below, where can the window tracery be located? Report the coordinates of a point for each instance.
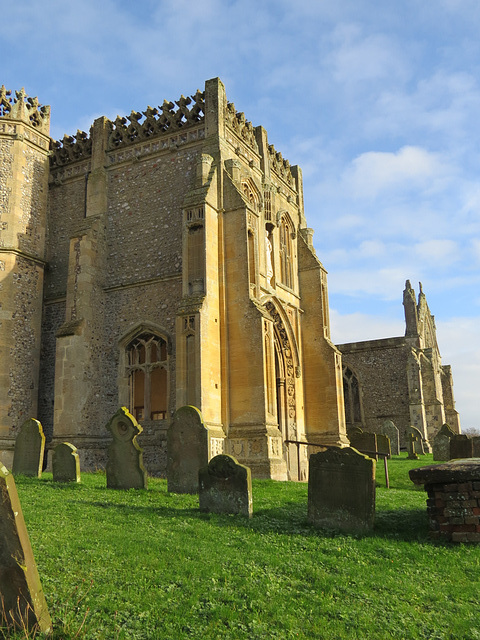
(147, 369)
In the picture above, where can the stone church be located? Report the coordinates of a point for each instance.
(161, 260)
(400, 379)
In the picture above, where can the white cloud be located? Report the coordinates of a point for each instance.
(375, 172)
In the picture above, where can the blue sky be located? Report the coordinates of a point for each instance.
(378, 101)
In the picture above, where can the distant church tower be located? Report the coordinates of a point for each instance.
(24, 148)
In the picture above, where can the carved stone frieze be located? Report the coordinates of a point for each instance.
(70, 149)
(280, 165)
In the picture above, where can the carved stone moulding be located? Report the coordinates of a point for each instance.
(148, 148)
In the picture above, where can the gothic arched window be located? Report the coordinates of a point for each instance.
(147, 368)
(351, 394)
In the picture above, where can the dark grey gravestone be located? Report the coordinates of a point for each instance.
(65, 463)
(389, 429)
(461, 446)
(364, 442)
(441, 444)
(341, 490)
(383, 445)
(187, 450)
(476, 446)
(125, 468)
(29, 449)
(225, 486)
(21, 592)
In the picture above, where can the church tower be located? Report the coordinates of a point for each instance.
(24, 149)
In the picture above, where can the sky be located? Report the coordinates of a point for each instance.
(378, 101)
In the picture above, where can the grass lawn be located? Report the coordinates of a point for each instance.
(148, 565)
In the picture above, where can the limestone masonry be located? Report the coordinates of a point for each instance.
(164, 260)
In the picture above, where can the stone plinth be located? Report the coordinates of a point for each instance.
(453, 503)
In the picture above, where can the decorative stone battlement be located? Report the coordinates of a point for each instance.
(152, 122)
(70, 149)
(241, 126)
(24, 108)
(280, 165)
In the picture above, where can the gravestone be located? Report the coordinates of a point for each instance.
(461, 446)
(476, 446)
(414, 443)
(29, 449)
(364, 442)
(65, 463)
(187, 450)
(389, 429)
(341, 490)
(20, 588)
(125, 468)
(441, 444)
(225, 486)
(383, 444)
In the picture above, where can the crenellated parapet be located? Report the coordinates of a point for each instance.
(244, 129)
(70, 148)
(280, 165)
(22, 107)
(144, 125)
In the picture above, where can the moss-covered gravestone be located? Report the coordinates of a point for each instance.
(187, 450)
(364, 441)
(125, 468)
(389, 429)
(225, 486)
(383, 445)
(29, 449)
(341, 490)
(441, 444)
(22, 599)
(414, 443)
(65, 463)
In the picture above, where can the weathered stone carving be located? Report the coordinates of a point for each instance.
(225, 486)
(125, 468)
(280, 165)
(24, 108)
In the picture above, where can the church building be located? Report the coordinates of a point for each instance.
(157, 261)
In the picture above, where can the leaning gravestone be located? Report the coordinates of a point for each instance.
(29, 449)
(389, 429)
(461, 446)
(225, 486)
(125, 468)
(65, 463)
(341, 490)
(414, 443)
(441, 444)
(21, 593)
(187, 450)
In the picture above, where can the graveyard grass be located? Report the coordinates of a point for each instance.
(148, 565)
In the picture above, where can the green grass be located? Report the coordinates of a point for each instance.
(149, 565)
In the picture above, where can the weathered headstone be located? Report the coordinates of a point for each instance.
(441, 444)
(29, 449)
(125, 468)
(383, 444)
(22, 600)
(414, 443)
(187, 450)
(225, 486)
(65, 463)
(461, 446)
(364, 442)
(389, 429)
(341, 490)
